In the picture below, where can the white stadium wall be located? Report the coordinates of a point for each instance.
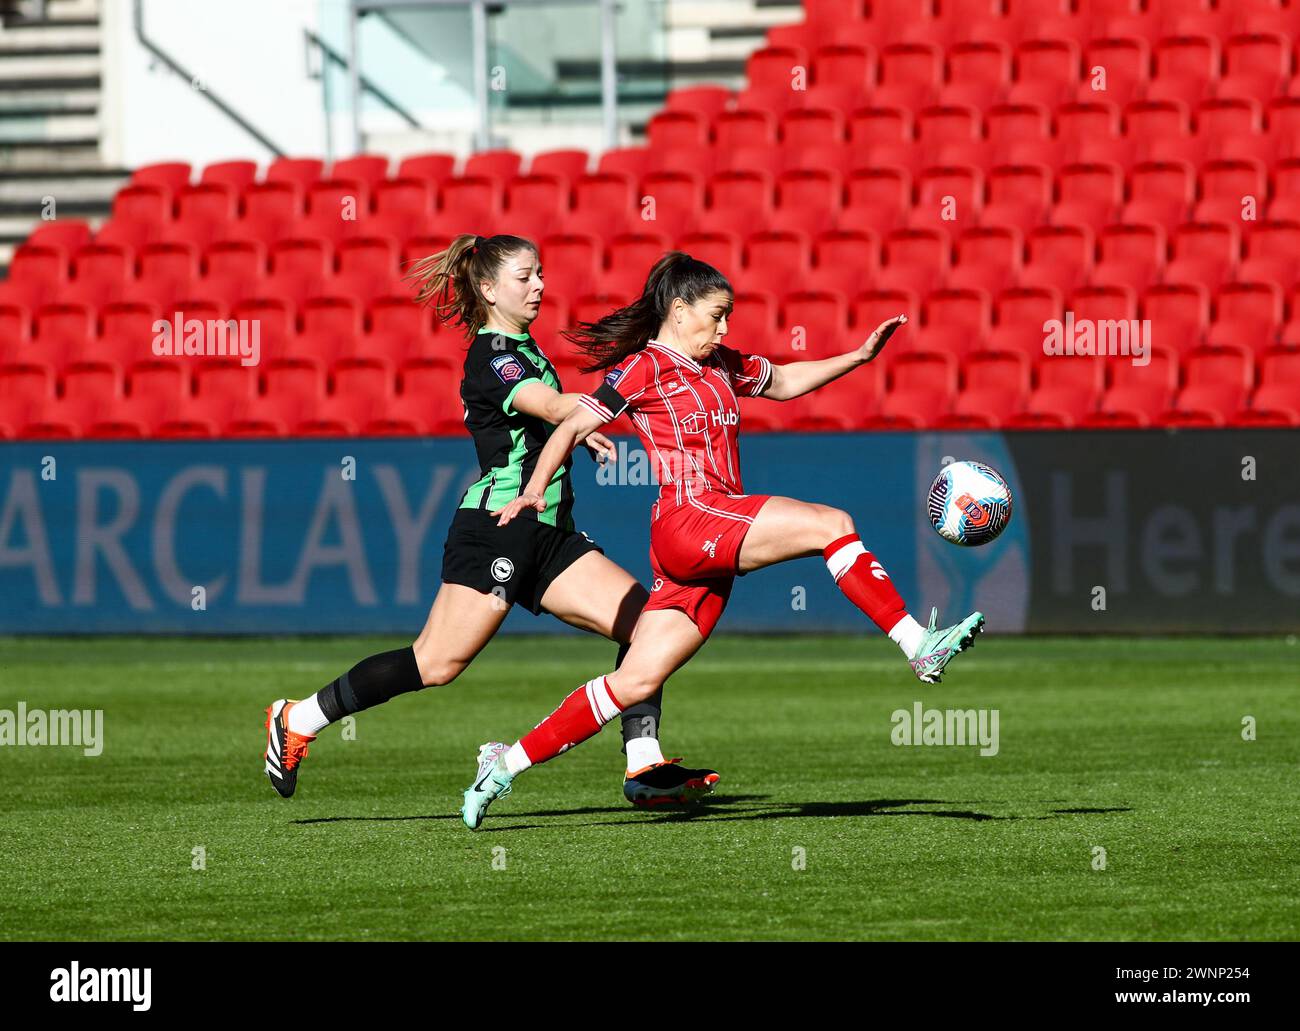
(254, 55)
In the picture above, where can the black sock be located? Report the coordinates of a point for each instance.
(642, 719)
(371, 682)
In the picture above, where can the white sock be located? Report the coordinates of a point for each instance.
(305, 717)
(643, 752)
(907, 634)
(517, 760)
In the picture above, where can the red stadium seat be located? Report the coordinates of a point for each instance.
(271, 207)
(1205, 405)
(1234, 180)
(811, 127)
(1142, 405)
(678, 128)
(996, 370)
(15, 327)
(907, 410)
(1177, 309)
(431, 168)
(1010, 124)
(1229, 116)
(1217, 242)
(1091, 119)
(915, 63)
(370, 169)
(1058, 256)
(852, 67)
(924, 247)
(966, 310)
(1187, 57)
(1254, 305)
(238, 175)
(25, 381)
(1030, 306)
(1102, 303)
(1223, 364)
(211, 205)
(1148, 119)
(301, 172)
(1052, 408)
(93, 380)
(740, 190)
(225, 379)
(473, 199)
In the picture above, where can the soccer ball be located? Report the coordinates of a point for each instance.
(969, 503)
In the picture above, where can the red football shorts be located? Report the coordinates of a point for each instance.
(695, 552)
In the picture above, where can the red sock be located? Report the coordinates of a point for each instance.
(579, 716)
(864, 581)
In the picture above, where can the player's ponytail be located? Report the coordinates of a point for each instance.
(449, 280)
(611, 338)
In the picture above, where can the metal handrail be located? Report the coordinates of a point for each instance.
(174, 66)
(478, 42)
(367, 85)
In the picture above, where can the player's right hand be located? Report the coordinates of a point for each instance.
(518, 505)
(883, 332)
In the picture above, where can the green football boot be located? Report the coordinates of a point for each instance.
(491, 783)
(939, 647)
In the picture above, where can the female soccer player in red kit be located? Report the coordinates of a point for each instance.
(669, 370)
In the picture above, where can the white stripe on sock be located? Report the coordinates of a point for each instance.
(843, 557)
(603, 706)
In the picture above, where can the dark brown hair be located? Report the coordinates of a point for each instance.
(611, 338)
(449, 280)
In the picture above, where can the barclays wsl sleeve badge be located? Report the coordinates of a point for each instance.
(508, 368)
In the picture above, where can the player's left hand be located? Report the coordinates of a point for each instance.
(601, 448)
(876, 342)
(518, 505)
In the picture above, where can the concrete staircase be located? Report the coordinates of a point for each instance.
(50, 118)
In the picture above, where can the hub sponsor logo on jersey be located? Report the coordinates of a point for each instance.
(502, 570)
(696, 422)
(731, 418)
(508, 368)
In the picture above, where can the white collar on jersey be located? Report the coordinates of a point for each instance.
(691, 362)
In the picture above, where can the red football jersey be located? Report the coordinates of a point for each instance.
(685, 412)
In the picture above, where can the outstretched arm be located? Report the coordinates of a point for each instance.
(799, 378)
(541, 402)
(580, 422)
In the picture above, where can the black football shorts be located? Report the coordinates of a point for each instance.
(517, 562)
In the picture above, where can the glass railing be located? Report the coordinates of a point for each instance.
(541, 61)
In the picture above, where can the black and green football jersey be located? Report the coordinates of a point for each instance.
(508, 442)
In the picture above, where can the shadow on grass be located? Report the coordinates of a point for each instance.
(719, 808)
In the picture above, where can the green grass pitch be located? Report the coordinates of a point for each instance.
(1134, 747)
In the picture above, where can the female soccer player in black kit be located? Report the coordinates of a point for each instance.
(491, 288)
